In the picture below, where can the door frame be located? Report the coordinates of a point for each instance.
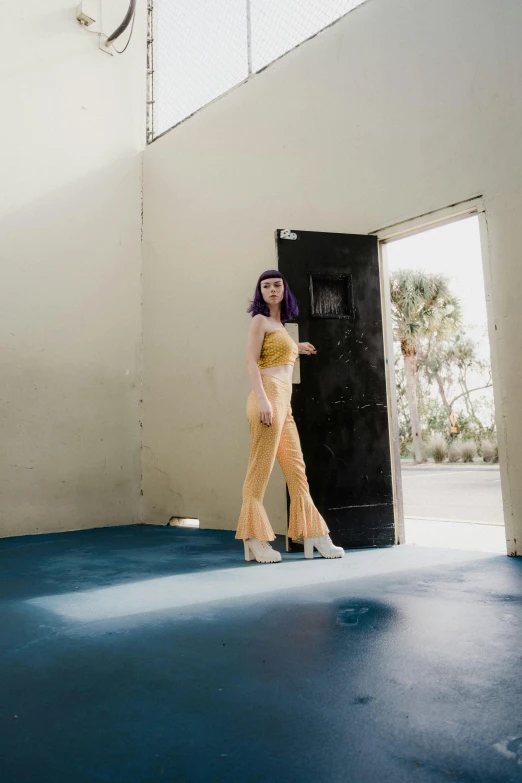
(416, 225)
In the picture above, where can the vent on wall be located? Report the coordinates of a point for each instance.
(331, 296)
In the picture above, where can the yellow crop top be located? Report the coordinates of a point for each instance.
(278, 348)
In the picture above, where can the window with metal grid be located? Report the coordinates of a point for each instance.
(199, 49)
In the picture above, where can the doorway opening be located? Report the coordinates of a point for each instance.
(440, 377)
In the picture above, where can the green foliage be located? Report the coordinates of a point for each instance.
(455, 451)
(405, 439)
(437, 447)
(434, 417)
(472, 429)
(469, 450)
(427, 326)
(422, 305)
(423, 309)
(487, 450)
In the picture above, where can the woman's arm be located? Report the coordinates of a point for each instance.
(306, 348)
(256, 335)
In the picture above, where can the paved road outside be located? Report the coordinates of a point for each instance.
(470, 494)
(454, 506)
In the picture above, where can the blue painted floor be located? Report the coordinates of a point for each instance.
(143, 654)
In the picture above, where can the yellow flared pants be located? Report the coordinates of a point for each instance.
(281, 440)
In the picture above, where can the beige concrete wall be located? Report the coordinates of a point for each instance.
(70, 223)
(400, 108)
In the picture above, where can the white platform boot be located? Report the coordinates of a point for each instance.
(261, 551)
(324, 546)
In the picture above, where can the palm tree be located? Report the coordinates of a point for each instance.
(422, 307)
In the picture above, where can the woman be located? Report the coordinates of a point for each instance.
(271, 354)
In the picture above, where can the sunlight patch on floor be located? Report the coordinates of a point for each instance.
(178, 590)
(456, 535)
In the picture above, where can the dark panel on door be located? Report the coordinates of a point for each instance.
(340, 405)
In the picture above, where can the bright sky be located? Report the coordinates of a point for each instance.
(200, 47)
(452, 250)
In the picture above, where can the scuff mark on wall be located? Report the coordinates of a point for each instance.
(192, 427)
(163, 473)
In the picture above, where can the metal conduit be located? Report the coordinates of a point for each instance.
(123, 26)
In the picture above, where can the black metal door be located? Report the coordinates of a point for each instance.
(340, 404)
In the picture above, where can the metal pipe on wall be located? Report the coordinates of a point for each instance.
(125, 23)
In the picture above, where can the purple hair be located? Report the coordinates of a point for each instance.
(289, 307)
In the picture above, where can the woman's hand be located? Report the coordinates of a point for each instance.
(264, 408)
(306, 348)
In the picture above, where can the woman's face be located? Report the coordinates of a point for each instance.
(272, 290)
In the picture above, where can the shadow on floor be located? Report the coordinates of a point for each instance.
(87, 559)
